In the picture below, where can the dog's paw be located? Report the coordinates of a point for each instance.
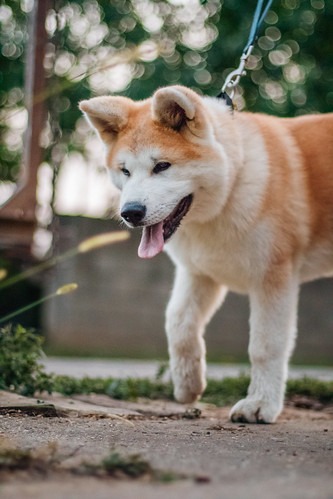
(186, 396)
(250, 410)
(189, 381)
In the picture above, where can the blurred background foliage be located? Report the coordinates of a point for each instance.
(132, 47)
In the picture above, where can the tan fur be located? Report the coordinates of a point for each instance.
(260, 221)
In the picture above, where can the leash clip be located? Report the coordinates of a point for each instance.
(234, 77)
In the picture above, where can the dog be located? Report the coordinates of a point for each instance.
(239, 201)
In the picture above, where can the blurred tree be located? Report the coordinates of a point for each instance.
(132, 47)
(13, 37)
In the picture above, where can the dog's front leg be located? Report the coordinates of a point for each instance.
(272, 336)
(194, 300)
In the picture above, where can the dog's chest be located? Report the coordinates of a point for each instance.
(234, 261)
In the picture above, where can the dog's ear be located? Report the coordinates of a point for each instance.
(178, 107)
(107, 115)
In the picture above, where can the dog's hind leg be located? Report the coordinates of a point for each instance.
(272, 337)
(194, 300)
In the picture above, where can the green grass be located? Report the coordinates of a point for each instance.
(20, 371)
(313, 388)
(220, 392)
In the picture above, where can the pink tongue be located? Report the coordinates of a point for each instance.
(152, 241)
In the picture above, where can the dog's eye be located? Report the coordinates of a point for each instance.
(161, 166)
(125, 172)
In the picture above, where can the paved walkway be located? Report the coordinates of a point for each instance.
(212, 457)
(128, 368)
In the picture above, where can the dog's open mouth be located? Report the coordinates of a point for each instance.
(154, 236)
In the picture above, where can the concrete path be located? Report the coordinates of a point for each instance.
(204, 456)
(202, 452)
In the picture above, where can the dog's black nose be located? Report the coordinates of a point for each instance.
(133, 213)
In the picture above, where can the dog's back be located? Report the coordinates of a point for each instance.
(299, 196)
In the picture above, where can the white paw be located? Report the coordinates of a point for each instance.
(189, 380)
(251, 410)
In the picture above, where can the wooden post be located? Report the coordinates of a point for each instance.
(17, 216)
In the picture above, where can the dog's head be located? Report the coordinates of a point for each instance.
(163, 155)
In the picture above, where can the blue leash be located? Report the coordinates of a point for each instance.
(259, 16)
(233, 78)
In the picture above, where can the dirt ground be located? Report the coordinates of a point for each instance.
(207, 455)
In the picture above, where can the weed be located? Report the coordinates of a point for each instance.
(39, 460)
(117, 465)
(162, 369)
(63, 290)
(133, 466)
(14, 459)
(92, 243)
(20, 371)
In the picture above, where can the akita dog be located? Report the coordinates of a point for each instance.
(239, 201)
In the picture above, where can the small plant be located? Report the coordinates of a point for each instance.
(133, 466)
(162, 369)
(14, 459)
(117, 465)
(20, 370)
